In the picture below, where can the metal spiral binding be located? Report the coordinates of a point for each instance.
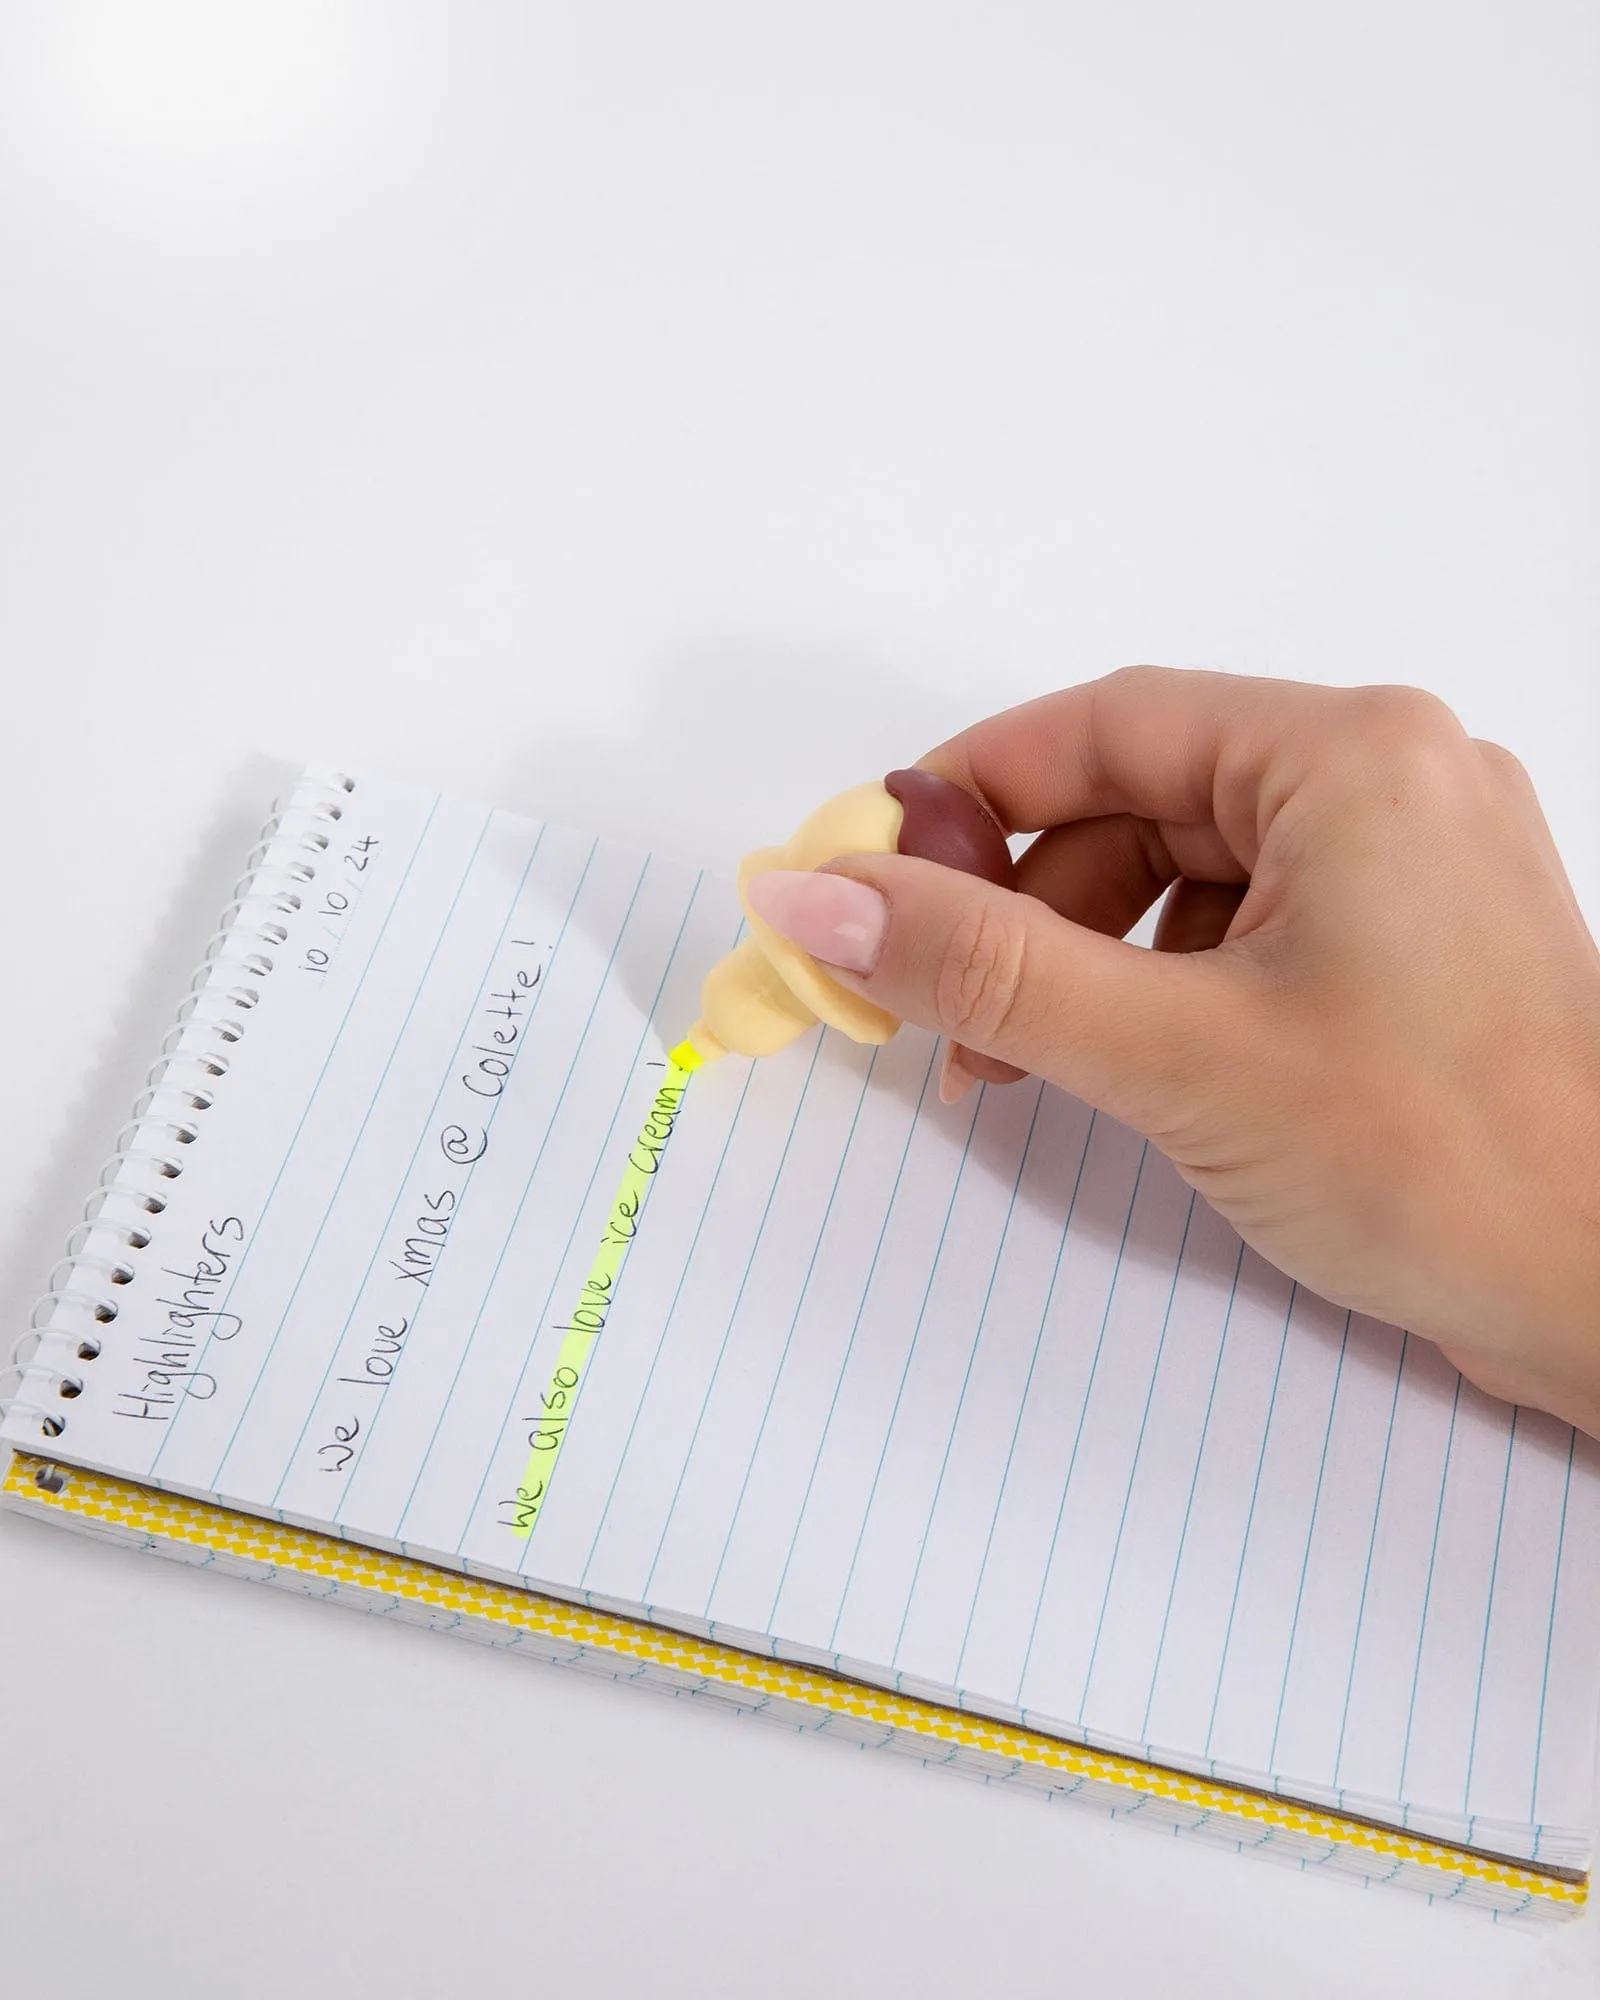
(64, 1334)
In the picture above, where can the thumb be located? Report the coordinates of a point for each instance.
(1130, 1031)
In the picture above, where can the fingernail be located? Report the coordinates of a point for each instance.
(835, 919)
(955, 1079)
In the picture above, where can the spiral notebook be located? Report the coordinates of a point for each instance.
(423, 1269)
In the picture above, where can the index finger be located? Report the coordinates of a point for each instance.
(1156, 742)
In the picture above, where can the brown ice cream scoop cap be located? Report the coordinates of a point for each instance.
(942, 822)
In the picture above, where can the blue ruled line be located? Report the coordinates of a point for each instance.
(338, 1187)
(794, 1321)
(310, 1105)
(1311, 1535)
(1022, 1406)
(666, 1324)
(527, 1189)
(1138, 1448)
(1077, 1435)
(461, 1362)
(559, 1267)
(1188, 1505)
(1366, 1574)
(927, 1293)
(966, 1382)
(733, 1314)
(1488, 1617)
(1250, 1518)
(1427, 1589)
(1549, 1640)
(594, 1174)
(855, 1327)
(381, 1238)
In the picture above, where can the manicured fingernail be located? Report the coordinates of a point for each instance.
(835, 919)
(955, 1079)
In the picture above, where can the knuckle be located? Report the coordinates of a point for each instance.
(1401, 718)
(1407, 742)
(1137, 683)
(1503, 765)
(982, 978)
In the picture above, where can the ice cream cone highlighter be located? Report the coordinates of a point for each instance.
(767, 992)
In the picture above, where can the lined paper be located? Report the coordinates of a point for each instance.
(979, 1401)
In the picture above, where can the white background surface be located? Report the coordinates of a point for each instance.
(572, 406)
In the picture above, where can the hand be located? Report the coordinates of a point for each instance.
(1369, 1033)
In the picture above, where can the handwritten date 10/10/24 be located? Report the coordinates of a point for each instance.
(332, 908)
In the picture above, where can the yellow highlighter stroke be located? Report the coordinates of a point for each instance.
(585, 1323)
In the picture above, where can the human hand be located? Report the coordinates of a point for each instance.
(1369, 1033)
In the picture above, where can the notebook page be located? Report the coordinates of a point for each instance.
(979, 1399)
(976, 1400)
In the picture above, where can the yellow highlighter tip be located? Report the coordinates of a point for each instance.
(697, 1048)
